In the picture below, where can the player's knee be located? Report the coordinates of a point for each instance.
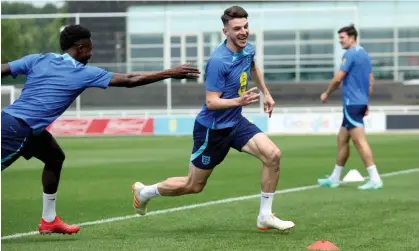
(342, 141)
(195, 187)
(273, 157)
(57, 158)
(358, 142)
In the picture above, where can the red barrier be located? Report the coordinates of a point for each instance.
(101, 126)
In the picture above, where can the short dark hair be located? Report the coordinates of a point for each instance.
(72, 34)
(232, 13)
(350, 30)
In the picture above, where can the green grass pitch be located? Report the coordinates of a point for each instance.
(98, 174)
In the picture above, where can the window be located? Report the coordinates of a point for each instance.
(409, 46)
(316, 49)
(378, 47)
(277, 66)
(376, 33)
(409, 60)
(147, 39)
(279, 36)
(147, 66)
(175, 52)
(191, 51)
(280, 77)
(147, 52)
(382, 61)
(175, 40)
(410, 74)
(383, 67)
(409, 32)
(384, 74)
(316, 76)
(175, 62)
(275, 50)
(316, 35)
(191, 39)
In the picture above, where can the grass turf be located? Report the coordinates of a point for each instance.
(98, 174)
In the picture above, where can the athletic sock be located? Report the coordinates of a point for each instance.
(48, 207)
(149, 192)
(266, 204)
(373, 173)
(336, 173)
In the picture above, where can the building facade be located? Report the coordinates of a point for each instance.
(295, 42)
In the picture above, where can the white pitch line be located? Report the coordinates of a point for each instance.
(199, 205)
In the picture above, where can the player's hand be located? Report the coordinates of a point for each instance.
(268, 104)
(184, 71)
(324, 97)
(249, 97)
(367, 111)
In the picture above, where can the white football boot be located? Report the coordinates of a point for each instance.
(139, 206)
(272, 222)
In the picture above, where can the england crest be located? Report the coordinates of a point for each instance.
(206, 159)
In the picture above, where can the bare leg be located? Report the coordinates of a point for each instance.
(343, 147)
(193, 183)
(175, 186)
(265, 150)
(48, 151)
(343, 154)
(361, 143)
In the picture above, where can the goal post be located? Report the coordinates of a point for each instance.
(9, 93)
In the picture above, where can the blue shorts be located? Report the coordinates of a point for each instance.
(18, 139)
(353, 116)
(211, 146)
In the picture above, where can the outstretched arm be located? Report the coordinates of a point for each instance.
(134, 80)
(5, 70)
(21, 66)
(139, 79)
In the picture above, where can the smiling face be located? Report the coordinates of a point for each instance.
(236, 27)
(346, 41)
(347, 37)
(237, 32)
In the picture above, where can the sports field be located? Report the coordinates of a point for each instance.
(98, 174)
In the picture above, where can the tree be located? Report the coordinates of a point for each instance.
(25, 36)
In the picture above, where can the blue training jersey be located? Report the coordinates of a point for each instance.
(53, 82)
(229, 73)
(357, 64)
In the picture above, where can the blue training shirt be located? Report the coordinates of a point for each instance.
(357, 64)
(53, 82)
(229, 73)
